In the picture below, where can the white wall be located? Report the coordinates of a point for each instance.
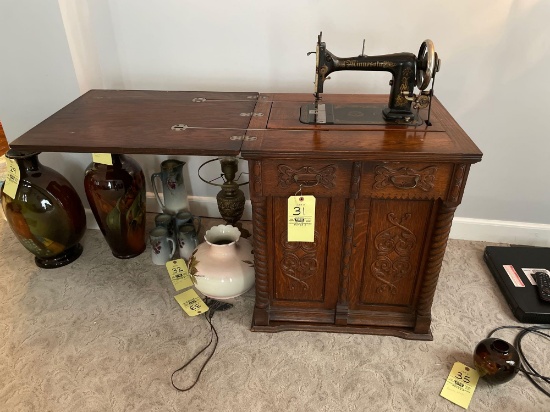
(37, 77)
(494, 59)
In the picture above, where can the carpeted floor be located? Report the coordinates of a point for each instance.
(104, 334)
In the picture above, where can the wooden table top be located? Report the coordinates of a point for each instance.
(228, 123)
(117, 121)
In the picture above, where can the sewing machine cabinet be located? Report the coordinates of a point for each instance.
(385, 200)
(385, 195)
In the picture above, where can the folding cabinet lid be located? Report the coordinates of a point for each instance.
(145, 121)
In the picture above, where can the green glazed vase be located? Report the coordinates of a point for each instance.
(47, 215)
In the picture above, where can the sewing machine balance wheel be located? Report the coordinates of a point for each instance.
(427, 64)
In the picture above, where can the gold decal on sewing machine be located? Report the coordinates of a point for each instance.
(355, 63)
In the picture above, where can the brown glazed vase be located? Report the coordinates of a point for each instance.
(496, 360)
(47, 215)
(117, 198)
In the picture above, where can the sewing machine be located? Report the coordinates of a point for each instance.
(408, 71)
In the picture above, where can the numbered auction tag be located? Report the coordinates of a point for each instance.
(103, 158)
(191, 303)
(177, 269)
(12, 178)
(301, 218)
(460, 385)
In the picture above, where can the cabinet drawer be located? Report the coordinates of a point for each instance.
(403, 180)
(319, 178)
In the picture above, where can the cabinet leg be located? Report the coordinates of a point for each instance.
(260, 317)
(341, 315)
(423, 324)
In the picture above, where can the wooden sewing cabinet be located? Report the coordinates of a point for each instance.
(385, 201)
(385, 195)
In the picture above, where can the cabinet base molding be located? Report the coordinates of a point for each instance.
(400, 332)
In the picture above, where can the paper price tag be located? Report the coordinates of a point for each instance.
(460, 385)
(12, 178)
(301, 219)
(191, 303)
(103, 158)
(179, 274)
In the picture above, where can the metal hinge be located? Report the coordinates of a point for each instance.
(179, 127)
(243, 137)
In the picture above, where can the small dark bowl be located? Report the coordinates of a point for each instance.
(496, 360)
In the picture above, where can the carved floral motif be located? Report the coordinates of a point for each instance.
(394, 246)
(299, 262)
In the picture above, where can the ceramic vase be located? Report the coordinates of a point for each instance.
(496, 360)
(46, 215)
(116, 194)
(223, 266)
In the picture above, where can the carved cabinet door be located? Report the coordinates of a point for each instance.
(389, 260)
(303, 277)
(305, 274)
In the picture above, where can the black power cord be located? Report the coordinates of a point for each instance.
(529, 371)
(214, 306)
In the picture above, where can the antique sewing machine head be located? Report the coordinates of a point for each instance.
(408, 71)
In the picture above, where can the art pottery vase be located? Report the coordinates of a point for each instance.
(223, 266)
(116, 194)
(46, 215)
(496, 360)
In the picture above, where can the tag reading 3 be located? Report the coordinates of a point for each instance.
(301, 219)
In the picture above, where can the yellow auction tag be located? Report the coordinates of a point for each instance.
(301, 219)
(177, 269)
(12, 178)
(460, 385)
(191, 303)
(103, 158)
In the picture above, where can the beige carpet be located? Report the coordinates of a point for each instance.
(104, 334)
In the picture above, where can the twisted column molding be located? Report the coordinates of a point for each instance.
(433, 266)
(348, 233)
(259, 217)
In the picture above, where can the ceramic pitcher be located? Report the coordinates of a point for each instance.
(162, 247)
(173, 187)
(187, 240)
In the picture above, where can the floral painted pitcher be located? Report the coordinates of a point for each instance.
(173, 187)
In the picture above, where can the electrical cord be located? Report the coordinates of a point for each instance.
(213, 307)
(208, 315)
(530, 372)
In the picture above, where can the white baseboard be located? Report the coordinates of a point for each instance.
(198, 205)
(501, 231)
(494, 231)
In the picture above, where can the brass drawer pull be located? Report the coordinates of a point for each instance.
(307, 176)
(404, 178)
(405, 181)
(307, 179)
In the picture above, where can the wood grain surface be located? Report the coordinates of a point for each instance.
(117, 121)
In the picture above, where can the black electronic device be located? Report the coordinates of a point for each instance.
(543, 284)
(514, 268)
